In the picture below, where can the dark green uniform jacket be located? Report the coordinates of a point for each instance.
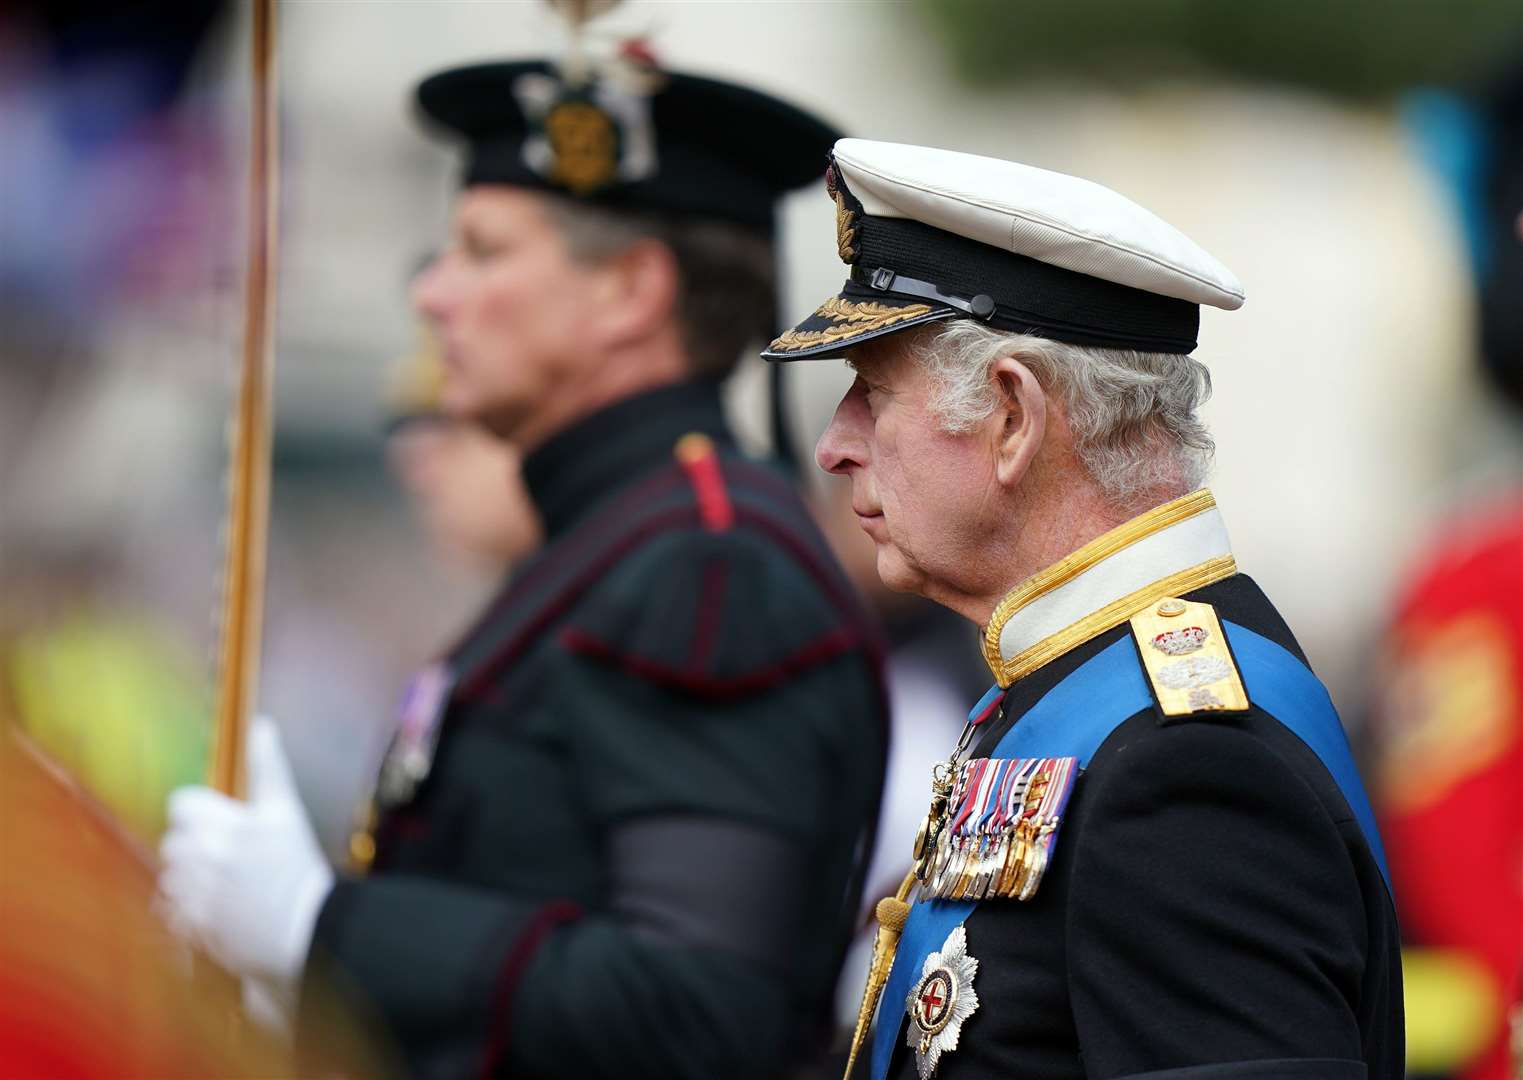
(1212, 911)
(638, 850)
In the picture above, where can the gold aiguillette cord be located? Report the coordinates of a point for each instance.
(891, 913)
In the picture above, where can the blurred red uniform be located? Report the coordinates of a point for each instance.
(1451, 778)
(92, 987)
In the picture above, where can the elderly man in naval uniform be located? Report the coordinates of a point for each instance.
(1150, 854)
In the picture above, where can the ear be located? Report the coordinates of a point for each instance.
(1022, 415)
(637, 295)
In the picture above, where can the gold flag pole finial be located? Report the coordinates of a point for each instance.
(249, 473)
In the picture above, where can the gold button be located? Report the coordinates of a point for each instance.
(1170, 608)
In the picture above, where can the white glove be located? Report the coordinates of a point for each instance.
(246, 880)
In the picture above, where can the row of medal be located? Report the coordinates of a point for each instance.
(996, 831)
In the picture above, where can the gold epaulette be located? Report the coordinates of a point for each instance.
(1187, 659)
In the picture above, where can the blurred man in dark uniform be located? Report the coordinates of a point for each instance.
(622, 826)
(1149, 854)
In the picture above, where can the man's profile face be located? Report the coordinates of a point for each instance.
(506, 300)
(918, 491)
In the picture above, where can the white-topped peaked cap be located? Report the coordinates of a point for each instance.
(1063, 220)
(935, 234)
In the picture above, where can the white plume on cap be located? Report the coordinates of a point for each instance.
(578, 12)
(577, 67)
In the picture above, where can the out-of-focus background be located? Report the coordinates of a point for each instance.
(1327, 153)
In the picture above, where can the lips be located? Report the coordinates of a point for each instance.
(871, 523)
(860, 508)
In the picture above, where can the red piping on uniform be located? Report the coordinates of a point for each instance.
(478, 681)
(710, 611)
(762, 477)
(547, 918)
(849, 604)
(845, 599)
(810, 560)
(583, 536)
(817, 651)
(488, 668)
(700, 461)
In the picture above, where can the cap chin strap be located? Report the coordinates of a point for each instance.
(885, 280)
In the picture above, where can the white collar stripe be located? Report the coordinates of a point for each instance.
(1169, 551)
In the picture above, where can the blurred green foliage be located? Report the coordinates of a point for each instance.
(1353, 48)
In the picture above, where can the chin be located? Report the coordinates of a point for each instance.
(459, 403)
(483, 403)
(897, 573)
(500, 424)
(501, 419)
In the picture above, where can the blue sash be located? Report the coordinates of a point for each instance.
(1076, 716)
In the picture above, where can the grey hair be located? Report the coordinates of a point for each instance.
(727, 301)
(1133, 415)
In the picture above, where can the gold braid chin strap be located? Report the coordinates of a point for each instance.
(891, 913)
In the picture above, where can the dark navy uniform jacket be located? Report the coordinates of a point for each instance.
(1213, 910)
(638, 850)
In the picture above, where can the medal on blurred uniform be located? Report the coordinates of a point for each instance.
(411, 754)
(992, 834)
(992, 822)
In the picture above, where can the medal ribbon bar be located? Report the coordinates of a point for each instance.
(997, 835)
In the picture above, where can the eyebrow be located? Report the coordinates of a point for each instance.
(864, 357)
(474, 232)
(469, 218)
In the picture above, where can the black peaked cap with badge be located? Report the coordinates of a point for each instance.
(622, 828)
(651, 140)
(935, 234)
(637, 138)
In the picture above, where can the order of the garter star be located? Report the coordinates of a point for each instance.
(941, 1002)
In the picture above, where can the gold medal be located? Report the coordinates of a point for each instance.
(990, 824)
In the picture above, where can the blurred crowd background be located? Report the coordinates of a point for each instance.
(1336, 156)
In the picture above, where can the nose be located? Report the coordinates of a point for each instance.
(430, 288)
(843, 446)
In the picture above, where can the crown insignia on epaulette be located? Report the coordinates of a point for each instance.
(1186, 657)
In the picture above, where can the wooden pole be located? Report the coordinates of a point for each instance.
(249, 476)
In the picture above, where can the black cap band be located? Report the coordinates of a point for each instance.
(1029, 296)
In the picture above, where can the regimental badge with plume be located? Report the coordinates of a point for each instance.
(591, 123)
